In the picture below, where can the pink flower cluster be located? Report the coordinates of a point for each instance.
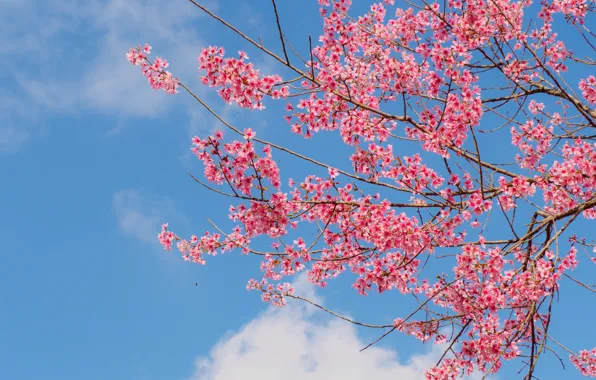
(588, 87)
(519, 187)
(236, 163)
(239, 82)
(585, 362)
(157, 75)
(276, 294)
(573, 179)
(533, 140)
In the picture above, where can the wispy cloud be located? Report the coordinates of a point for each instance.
(12, 109)
(111, 84)
(294, 343)
(12, 138)
(52, 95)
(139, 214)
(69, 57)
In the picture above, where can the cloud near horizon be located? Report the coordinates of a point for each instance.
(295, 343)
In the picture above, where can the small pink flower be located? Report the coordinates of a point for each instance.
(333, 172)
(249, 134)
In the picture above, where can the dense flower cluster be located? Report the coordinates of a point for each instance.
(572, 180)
(239, 82)
(588, 87)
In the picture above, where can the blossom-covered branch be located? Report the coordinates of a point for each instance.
(456, 83)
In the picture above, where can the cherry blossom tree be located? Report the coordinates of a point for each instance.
(444, 80)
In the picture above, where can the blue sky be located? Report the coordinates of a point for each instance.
(94, 161)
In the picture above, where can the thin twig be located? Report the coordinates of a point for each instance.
(281, 35)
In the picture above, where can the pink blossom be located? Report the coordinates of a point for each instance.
(158, 77)
(333, 173)
(588, 87)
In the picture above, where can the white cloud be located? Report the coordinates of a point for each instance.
(79, 51)
(293, 344)
(140, 215)
(54, 95)
(106, 81)
(111, 83)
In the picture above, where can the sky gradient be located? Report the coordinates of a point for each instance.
(93, 161)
